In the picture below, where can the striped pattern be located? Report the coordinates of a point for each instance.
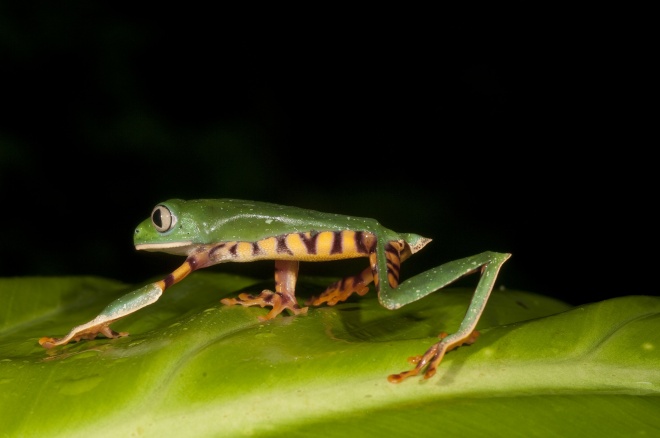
(319, 246)
(393, 252)
(344, 288)
(309, 246)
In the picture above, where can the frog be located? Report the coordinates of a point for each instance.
(208, 232)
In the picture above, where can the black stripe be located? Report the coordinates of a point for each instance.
(337, 247)
(393, 272)
(256, 249)
(282, 246)
(169, 280)
(310, 243)
(216, 248)
(359, 243)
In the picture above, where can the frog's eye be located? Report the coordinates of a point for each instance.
(162, 218)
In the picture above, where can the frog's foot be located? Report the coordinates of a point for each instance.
(86, 331)
(433, 356)
(277, 300)
(344, 288)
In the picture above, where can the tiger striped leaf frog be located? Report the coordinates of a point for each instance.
(212, 231)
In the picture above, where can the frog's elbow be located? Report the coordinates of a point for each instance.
(416, 242)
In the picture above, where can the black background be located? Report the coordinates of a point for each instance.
(534, 139)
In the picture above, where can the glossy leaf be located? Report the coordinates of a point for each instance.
(194, 367)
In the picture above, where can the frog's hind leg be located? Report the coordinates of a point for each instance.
(395, 253)
(284, 297)
(344, 288)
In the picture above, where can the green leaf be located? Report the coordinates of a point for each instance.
(194, 367)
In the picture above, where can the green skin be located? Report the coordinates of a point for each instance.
(192, 228)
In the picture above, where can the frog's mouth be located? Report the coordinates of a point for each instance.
(176, 248)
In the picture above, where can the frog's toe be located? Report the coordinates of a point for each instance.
(277, 300)
(108, 333)
(47, 342)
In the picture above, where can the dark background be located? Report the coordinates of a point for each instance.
(534, 139)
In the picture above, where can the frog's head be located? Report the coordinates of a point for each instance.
(171, 228)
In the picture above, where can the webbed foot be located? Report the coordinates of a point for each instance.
(277, 300)
(433, 356)
(86, 331)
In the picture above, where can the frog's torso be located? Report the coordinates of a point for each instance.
(243, 231)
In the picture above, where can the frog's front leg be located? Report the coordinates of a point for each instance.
(284, 297)
(119, 308)
(126, 305)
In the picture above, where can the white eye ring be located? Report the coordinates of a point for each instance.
(162, 218)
